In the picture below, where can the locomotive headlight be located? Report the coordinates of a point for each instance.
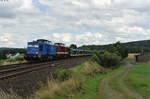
(39, 56)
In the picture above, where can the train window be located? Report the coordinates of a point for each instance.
(33, 46)
(41, 47)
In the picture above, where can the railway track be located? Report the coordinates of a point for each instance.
(10, 71)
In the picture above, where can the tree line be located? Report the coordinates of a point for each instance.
(5, 51)
(132, 47)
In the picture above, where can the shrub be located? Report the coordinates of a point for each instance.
(96, 58)
(119, 48)
(62, 74)
(18, 58)
(40, 84)
(106, 58)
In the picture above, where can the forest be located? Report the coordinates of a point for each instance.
(132, 47)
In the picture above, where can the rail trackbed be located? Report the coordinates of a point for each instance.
(10, 71)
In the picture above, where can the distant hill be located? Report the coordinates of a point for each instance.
(133, 47)
(139, 46)
(12, 50)
(7, 48)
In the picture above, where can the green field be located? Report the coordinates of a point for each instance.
(138, 79)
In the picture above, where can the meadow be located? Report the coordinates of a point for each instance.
(138, 79)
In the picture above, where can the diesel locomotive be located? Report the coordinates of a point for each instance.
(43, 50)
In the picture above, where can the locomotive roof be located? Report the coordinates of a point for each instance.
(42, 40)
(60, 44)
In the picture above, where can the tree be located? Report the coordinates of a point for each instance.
(73, 46)
(118, 48)
(106, 59)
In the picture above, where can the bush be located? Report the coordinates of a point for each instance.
(96, 58)
(18, 58)
(62, 74)
(106, 58)
(119, 48)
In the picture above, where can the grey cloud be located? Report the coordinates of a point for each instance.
(112, 19)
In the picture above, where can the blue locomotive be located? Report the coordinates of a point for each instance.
(42, 49)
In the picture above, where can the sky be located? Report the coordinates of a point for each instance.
(81, 22)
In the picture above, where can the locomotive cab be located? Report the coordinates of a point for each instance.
(61, 50)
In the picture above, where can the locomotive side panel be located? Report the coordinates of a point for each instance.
(61, 50)
(51, 50)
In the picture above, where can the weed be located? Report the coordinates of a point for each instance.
(62, 74)
(4, 95)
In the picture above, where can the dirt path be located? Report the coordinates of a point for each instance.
(113, 87)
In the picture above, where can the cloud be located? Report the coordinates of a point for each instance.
(79, 39)
(74, 21)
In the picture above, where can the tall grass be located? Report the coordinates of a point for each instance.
(89, 69)
(55, 89)
(4, 95)
(72, 87)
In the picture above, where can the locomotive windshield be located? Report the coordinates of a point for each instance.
(40, 47)
(31, 45)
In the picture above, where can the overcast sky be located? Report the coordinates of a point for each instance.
(73, 21)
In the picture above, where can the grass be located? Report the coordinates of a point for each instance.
(91, 77)
(128, 58)
(139, 79)
(16, 60)
(83, 83)
(115, 85)
(12, 95)
(112, 82)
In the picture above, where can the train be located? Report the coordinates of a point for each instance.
(45, 50)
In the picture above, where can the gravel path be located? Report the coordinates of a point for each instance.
(107, 91)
